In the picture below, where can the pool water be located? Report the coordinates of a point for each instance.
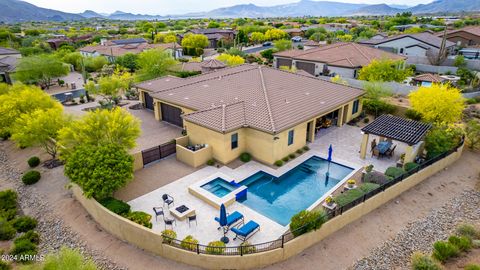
(281, 198)
(75, 94)
(219, 187)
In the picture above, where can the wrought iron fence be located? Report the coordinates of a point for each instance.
(247, 248)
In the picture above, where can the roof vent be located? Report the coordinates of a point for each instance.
(322, 102)
(254, 104)
(205, 85)
(149, 83)
(167, 80)
(307, 93)
(286, 101)
(236, 98)
(185, 98)
(170, 94)
(219, 77)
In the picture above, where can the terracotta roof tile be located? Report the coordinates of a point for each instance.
(428, 77)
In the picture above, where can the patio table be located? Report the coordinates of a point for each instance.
(383, 147)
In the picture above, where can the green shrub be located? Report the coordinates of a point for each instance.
(367, 187)
(68, 259)
(7, 231)
(412, 114)
(31, 236)
(394, 172)
(22, 248)
(189, 243)
(31, 177)
(410, 166)
(292, 156)
(285, 159)
(305, 221)
(348, 196)
(422, 262)
(33, 162)
(441, 139)
(472, 267)
(245, 157)
(119, 207)
(376, 177)
(443, 251)
(471, 101)
(300, 151)
(24, 224)
(279, 163)
(246, 248)
(169, 236)
(378, 107)
(469, 231)
(211, 162)
(306, 148)
(476, 243)
(140, 217)
(8, 204)
(366, 120)
(461, 242)
(4, 265)
(215, 247)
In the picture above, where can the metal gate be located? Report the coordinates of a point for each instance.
(158, 152)
(308, 67)
(282, 62)
(171, 114)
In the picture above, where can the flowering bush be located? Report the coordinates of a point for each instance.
(351, 182)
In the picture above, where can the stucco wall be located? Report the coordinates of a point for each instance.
(137, 161)
(193, 158)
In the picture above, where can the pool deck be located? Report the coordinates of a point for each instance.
(206, 230)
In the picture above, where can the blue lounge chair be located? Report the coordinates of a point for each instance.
(246, 231)
(231, 219)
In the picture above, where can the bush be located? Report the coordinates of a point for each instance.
(443, 251)
(33, 162)
(31, 236)
(215, 247)
(24, 224)
(31, 177)
(394, 172)
(367, 187)
(8, 204)
(300, 151)
(211, 162)
(412, 114)
(246, 248)
(245, 157)
(378, 107)
(119, 207)
(410, 166)
(189, 243)
(469, 231)
(305, 221)
(472, 267)
(423, 262)
(292, 156)
(285, 159)
(461, 242)
(441, 139)
(169, 236)
(67, 258)
(4, 265)
(141, 218)
(348, 196)
(22, 248)
(279, 163)
(366, 120)
(7, 231)
(376, 177)
(306, 148)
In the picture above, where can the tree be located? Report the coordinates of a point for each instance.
(275, 34)
(384, 70)
(128, 61)
(116, 126)
(257, 37)
(95, 63)
(165, 38)
(268, 54)
(472, 132)
(74, 59)
(231, 60)
(318, 37)
(40, 128)
(435, 57)
(338, 79)
(66, 258)
(213, 24)
(283, 45)
(110, 88)
(99, 170)
(441, 139)
(441, 104)
(197, 42)
(40, 69)
(154, 63)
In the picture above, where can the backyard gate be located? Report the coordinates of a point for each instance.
(158, 152)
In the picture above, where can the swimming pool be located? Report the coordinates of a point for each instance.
(75, 94)
(279, 198)
(219, 187)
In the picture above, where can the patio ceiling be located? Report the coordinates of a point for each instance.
(398, 128)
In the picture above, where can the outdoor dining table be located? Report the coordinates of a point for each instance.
(383, 147)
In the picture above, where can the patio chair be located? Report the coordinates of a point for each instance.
(390, 152)
(246, 231)
(373, 144)
(376, 152)
(231, 219)
(167, 199)
(158, 212)
(169, 221)
(192, 219)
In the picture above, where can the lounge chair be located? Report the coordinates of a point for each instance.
(167, 199)
(246, 231)
(231, 219)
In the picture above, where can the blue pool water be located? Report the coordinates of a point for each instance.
(219, 187)
(75, 94)
(281, 198)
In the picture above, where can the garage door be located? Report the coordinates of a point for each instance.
(308, 67)
(283, 62)
(171, 114)
(148, 101)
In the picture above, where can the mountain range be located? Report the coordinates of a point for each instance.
(16, 11)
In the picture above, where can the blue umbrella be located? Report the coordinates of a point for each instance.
(223, 223)
(330, 151)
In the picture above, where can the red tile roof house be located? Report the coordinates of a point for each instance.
(344, 59)
(266, 112)
(464, 37)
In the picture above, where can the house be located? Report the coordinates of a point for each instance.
(115, 48)
(311, 44)
(427, 80)
(465, 37)
(206, 66)
(294, 32)
(266, 112)
(404, 27)
(470, 53)
(58, 40)
(8, 63)
(214, 35)
(344, 59)
(410, 44)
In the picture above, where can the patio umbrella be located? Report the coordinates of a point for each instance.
(223, 223)
(330, 151)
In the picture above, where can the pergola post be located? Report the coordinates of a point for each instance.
(363, 146)
(157, 111)
(409, 154)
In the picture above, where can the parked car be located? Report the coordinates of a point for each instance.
(297, 39)
(266, 44)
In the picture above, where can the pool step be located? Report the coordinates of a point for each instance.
(307, 170)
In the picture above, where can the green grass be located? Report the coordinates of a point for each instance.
(351, 195)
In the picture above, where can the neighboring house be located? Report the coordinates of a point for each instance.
(294, 32)
(344, 59)
(402, 28)
(8, 63)
(206, 66)
(115, 48)
(214, 35)
(311, 44)
(427, 80)
(59, 40)
(266, 112)
(465, 37)
(410, 44)
(470, 53)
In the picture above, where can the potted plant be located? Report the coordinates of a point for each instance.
(351, 183)
(329, 200)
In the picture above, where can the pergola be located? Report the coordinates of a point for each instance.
(396, 128)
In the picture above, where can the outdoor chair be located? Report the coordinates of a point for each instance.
(169, 221)
(246, 231)
(231, 219)
(167, 199)
(390, 151)
(373, 144)
(192, 219)
(158, 212)
(375, 152)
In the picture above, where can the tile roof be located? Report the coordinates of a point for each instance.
(474, 30)
(341, 54)
(259, 97)
(424, 37)
(428, 77)
(8, 63)
(128, 48)
(212, 64)
(128, 41)
(8, 51)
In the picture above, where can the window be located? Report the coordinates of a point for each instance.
(401, 51)
(234, 140)
(356, 103)
(290, 137)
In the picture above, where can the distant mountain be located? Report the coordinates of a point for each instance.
(16, 11)
(447, 6)
(399, 6)
(381, 9)
(120, 15)
(91, 14)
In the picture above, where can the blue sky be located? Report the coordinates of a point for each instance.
(163, 7)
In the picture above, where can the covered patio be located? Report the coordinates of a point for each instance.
(391, 128)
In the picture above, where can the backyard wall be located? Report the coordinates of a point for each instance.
(151, 241)
(137, 161)
(194, 158)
